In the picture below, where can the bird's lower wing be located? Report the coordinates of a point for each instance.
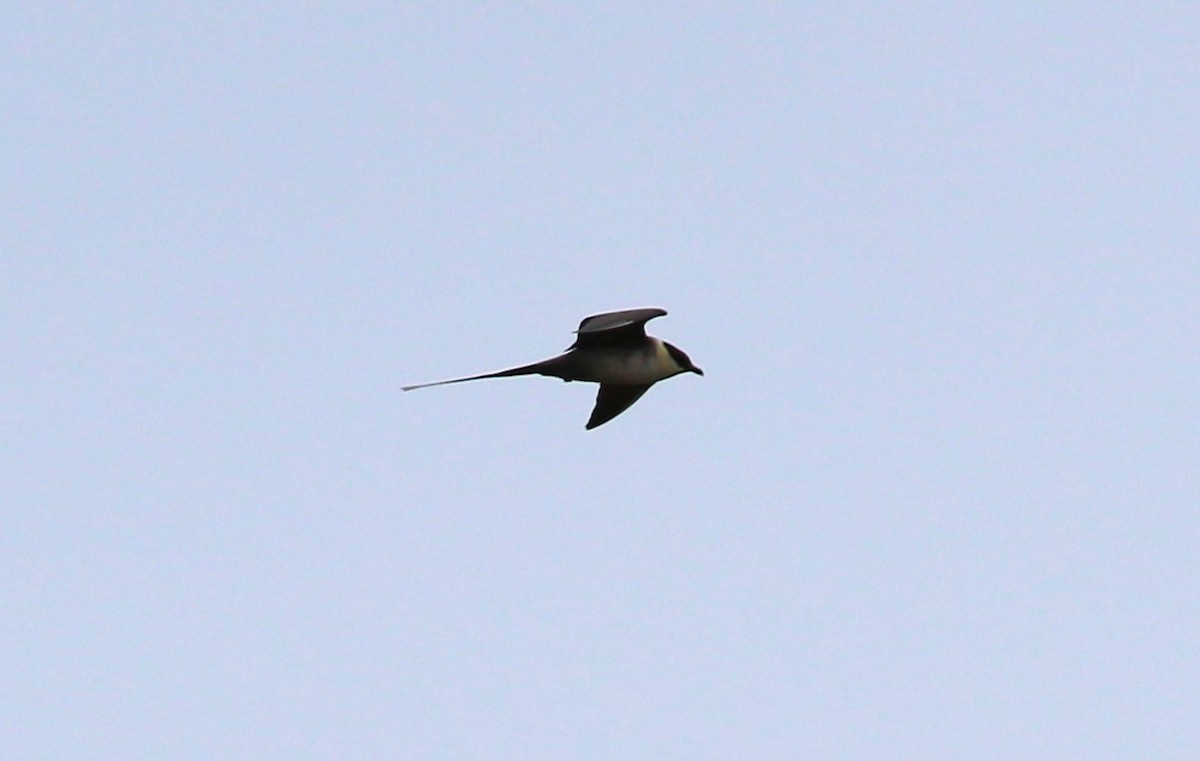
(612, 401)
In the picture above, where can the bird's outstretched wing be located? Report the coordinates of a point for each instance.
(614, 328)
(612, 400)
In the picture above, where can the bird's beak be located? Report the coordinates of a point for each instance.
(697, 370)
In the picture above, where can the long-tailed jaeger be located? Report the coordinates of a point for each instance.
(611, 349)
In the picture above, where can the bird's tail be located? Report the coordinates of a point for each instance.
(552, 367)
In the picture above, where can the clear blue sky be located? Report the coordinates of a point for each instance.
(936, 497)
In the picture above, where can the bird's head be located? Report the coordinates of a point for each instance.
(682, 359)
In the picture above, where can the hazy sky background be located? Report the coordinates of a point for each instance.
(936, 497)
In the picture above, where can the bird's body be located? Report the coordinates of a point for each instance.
(620, 365)
(611, 349)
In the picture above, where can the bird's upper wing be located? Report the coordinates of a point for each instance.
(612, 401)
(626, 326)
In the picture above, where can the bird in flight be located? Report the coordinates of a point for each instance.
(611, 349)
